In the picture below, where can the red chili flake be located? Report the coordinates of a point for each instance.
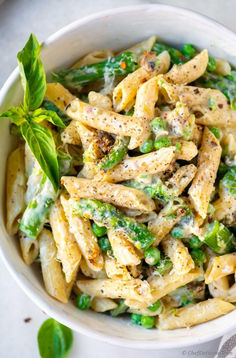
(27, 320)
(182, 58)
(220, 105)
(144, 80)
(123, 65)
(170, 186)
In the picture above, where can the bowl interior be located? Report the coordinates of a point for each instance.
(115, 29)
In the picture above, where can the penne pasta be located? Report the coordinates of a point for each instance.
(194, 314)
(115, 270)
(16, 187)
(220, 266)
(82, 231)
(179, 255)
(203, 182)
(53, 277)
(135, 289)
(190, 71)
(124, 251)
(68, 251)
(150, 163)
(105, 120)
(102, 304)
(162, 285)
(115, 194)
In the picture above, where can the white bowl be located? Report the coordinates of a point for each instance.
(115, 29)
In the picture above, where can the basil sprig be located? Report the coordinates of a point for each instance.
(54, 339)
(27, 116)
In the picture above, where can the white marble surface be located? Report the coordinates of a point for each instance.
(17, 19)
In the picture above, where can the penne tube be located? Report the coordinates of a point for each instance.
(115, 194)
(203, 182)
(99, 100)
(93, 57)
(189, 71)
(15, 187)
(162, 285)
(182, 177)
(194, 314)
(134, 289)
(89, 272)
(105, 120)
(179, 255)
(124, 251)
(68, 251)
(70, 135)
(29, 248)
(220, 266)
(115, 270)
(53, 277)
(151, 163)
(82, 231)
(102, 304)
(59, 95)
(125, 92)
(188, 150)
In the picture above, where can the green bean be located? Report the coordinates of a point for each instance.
(219, 238)
(113, 66)
(116, 154)
(107, 215)
(50, 106)
(176, 56)
(225, 84)
(122, 308)
(38, 209)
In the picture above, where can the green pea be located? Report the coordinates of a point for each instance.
(177, 232)
(194, 242)
(99, 231)
(188, 50)
(216, 131)
(211, 66)
(104, 244)
(147, 146)
(152, 256)
(162, 142)
(198, 256)
(136, 318)
(158, 124)
(148, 321)
(156, 307)
(83, 301)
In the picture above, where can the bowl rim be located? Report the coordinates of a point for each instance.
(23, 283)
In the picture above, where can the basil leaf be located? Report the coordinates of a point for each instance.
(16, 114)
(32, 74)
(41, 142)
(54, 339)
(43, 114)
